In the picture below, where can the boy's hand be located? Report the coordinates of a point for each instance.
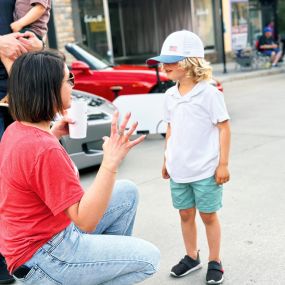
(164, 172)
(16, 26)
(222, 174)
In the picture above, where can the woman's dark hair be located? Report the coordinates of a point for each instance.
(34, 86)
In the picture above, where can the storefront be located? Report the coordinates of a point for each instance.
(132, 30)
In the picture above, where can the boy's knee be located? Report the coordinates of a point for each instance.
(208, 218)
(187, 215)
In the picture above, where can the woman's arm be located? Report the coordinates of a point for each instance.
(87, 213)
(34, 14)
(222, 174)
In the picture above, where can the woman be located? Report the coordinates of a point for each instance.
(51, 232)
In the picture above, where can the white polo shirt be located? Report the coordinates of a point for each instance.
(193, 149)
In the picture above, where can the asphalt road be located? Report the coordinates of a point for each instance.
(253, 213)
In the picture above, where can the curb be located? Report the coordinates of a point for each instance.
(249, 75)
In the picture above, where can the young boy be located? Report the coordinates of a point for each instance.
(197, 148)
(29, 15)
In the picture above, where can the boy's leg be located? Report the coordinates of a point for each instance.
(208, 196)
(213, 232)
(183, 199)
(189, 231)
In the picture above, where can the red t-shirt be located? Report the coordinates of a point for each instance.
(38, 181)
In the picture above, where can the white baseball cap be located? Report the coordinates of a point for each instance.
(178, 46)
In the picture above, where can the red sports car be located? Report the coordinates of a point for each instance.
(95, 75)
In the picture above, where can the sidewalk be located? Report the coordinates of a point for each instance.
(237, 74)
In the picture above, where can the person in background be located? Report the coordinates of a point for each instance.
(267, 46)
(50, 229)
(29, 16)
(197, 148)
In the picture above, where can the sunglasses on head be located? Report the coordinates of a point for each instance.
(70, 79)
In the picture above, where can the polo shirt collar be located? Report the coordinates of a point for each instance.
(198, 88)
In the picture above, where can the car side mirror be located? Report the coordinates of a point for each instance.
(80, 66)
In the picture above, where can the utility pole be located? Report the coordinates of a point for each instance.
(223, 39)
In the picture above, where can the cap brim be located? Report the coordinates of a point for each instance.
(164, 59)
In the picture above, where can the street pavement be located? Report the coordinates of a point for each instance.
(253, 214)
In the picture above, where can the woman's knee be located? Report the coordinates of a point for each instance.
(127, 190)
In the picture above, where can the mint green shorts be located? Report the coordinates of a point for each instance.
(205, 195)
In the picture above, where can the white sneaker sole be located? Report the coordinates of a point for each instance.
(187, 272)
(215, 282)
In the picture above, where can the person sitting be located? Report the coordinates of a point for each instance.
(267, 46)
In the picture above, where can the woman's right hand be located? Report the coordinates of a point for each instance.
(117, 146)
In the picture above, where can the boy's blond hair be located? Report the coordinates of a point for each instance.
(197, 68)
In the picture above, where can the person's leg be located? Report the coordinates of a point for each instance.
(213, 232)
(5, 277)
(189, 231)
(120, 214)
(73, 258)
(183, 199)
(208, 196)
(277, 57)
(104, 257)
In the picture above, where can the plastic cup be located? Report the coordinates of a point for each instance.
(78, 113)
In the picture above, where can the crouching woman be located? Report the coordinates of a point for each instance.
(51, 232)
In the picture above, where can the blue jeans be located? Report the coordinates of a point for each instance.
(108, 256)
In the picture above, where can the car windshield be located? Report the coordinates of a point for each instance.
(85, 54)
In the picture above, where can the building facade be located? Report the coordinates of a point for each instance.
(127, 31)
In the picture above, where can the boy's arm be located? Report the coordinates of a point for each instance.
(165, 174)
(222, 174)
(34, 14)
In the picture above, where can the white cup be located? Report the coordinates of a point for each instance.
(78, 113)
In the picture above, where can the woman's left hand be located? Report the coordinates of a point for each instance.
(60, 128)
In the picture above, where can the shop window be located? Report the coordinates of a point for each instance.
(203, 22)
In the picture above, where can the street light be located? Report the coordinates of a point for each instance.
(223, 40)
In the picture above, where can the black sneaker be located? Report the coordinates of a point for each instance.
(186, 266)
(215, 273)
(5, 277)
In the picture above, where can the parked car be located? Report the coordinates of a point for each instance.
(96, 75)
(88, 151)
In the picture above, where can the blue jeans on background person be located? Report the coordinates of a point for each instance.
(107, 256)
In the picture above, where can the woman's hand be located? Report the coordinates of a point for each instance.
(117, 146)
(11, 47)
(30, 41)
(222, 174)
(60, 128)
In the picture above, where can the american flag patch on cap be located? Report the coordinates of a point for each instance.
(172, 48)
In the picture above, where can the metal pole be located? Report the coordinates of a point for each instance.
(108, 30)
(223, 39)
